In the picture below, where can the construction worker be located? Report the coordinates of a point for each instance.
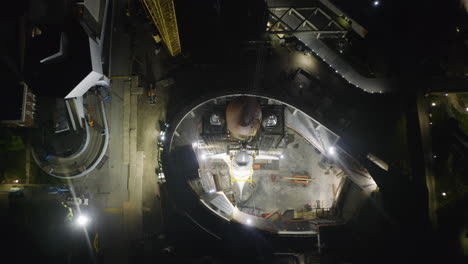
(70, 212)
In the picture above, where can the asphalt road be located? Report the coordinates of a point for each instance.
(425, 128)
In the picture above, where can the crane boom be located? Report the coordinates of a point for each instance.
(164, 17)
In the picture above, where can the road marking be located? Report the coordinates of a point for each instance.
(115, 210)
(96, 243)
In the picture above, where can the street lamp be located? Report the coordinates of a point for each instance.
(433, 104)
(82, 220)
(331, 150)
(376, 3)
(444, 194)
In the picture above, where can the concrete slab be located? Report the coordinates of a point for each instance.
(126, 123)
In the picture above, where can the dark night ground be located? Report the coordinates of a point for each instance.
(404, 201)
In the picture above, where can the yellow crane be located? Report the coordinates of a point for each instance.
(164, 17)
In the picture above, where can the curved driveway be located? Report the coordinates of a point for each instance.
(87, 158)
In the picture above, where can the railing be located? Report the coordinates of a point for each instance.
(312, 20)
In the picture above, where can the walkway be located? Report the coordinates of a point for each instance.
(370, 85)
(90, 155)
(328, 55)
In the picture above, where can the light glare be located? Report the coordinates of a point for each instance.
(331, 150)
(82, 220)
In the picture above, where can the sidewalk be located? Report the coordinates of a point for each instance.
(148, 118)
(124, 188)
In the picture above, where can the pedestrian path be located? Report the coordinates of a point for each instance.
(90, 155)
(336, 62)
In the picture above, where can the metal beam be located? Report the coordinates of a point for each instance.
(308, 31)
(279, 19)
(278, 23)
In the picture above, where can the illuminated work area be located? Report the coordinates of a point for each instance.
(265, 163)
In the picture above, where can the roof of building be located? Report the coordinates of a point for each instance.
(57, 78)
(11, 101)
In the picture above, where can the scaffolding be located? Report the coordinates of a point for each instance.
(164, 17)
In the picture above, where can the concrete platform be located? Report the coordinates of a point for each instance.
(271, 192)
